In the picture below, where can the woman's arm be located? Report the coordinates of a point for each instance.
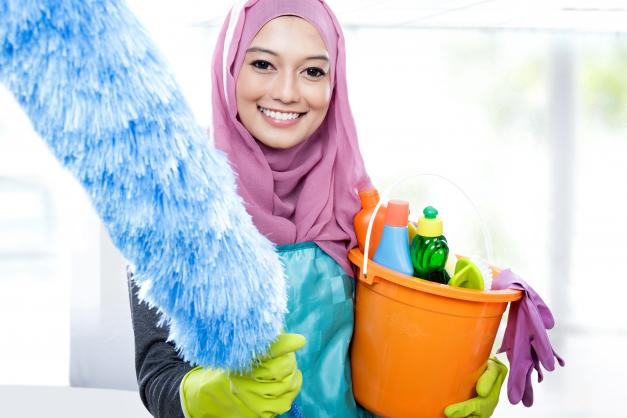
(158, 367)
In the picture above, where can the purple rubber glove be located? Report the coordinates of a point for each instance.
(526, 341)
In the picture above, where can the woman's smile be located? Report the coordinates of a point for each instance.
(280, 119)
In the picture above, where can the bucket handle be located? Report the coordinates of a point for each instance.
(486, 236)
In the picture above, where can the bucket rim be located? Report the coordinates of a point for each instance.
(377, 272)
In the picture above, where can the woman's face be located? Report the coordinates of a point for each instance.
(283, 89)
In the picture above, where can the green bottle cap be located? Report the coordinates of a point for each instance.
(430, 212)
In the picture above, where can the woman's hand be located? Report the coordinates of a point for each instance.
(266, 391)
(488, 389)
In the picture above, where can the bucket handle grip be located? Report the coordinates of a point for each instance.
(384, 197)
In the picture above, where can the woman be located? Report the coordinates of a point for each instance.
(281, 114)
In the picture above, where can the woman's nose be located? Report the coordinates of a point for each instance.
(285, 88)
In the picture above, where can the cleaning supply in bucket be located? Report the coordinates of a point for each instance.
(429, 248)
(369, 200)
(526, 340)
(472, 273)
(451, 262)
(393, 249)
(412, 228)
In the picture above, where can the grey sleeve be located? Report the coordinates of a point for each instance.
(158, 367)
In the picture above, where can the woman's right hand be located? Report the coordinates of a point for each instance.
(266, 391)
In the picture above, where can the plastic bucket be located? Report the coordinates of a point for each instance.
(419, 346)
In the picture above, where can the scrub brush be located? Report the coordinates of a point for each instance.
(472, 273)
(486, 271)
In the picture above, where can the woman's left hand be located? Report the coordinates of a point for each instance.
(488, 389)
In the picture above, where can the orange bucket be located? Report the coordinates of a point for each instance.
(419, 346)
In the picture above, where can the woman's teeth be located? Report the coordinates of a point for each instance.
(279, 115)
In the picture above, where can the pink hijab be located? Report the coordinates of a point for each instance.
(308, 192)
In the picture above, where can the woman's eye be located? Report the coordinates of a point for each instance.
(261, 65)
(315, 72)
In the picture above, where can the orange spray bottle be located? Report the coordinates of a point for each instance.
(369, 200)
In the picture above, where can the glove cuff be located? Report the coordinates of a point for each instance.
(182, 392)
(495, 359)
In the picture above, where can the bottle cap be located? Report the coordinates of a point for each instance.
(369, 198)
(397, 213)
(429, 225)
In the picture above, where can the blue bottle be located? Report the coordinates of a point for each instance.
(393, 249)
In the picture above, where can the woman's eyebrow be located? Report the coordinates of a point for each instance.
(268, 51)
(318, 57)
(258, 49)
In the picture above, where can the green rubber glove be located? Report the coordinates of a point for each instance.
(266, 391)
(488, 389)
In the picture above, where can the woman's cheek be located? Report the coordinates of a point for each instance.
(319, 95)
(250, 85)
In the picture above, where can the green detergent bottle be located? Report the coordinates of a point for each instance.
(429, 249)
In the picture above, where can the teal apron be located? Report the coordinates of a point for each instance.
(320, 304)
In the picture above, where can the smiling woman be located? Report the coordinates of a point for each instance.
(283, 90)
(281, 115)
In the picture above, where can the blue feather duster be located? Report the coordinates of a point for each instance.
(97, 91)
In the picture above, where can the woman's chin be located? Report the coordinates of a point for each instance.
(279, 141)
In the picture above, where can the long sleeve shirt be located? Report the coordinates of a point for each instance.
(158, 367)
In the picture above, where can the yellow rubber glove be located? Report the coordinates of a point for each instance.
(268, 390)
(488, 389)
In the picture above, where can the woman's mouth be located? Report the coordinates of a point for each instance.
(280, 119)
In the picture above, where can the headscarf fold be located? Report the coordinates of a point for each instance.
(308, 192)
